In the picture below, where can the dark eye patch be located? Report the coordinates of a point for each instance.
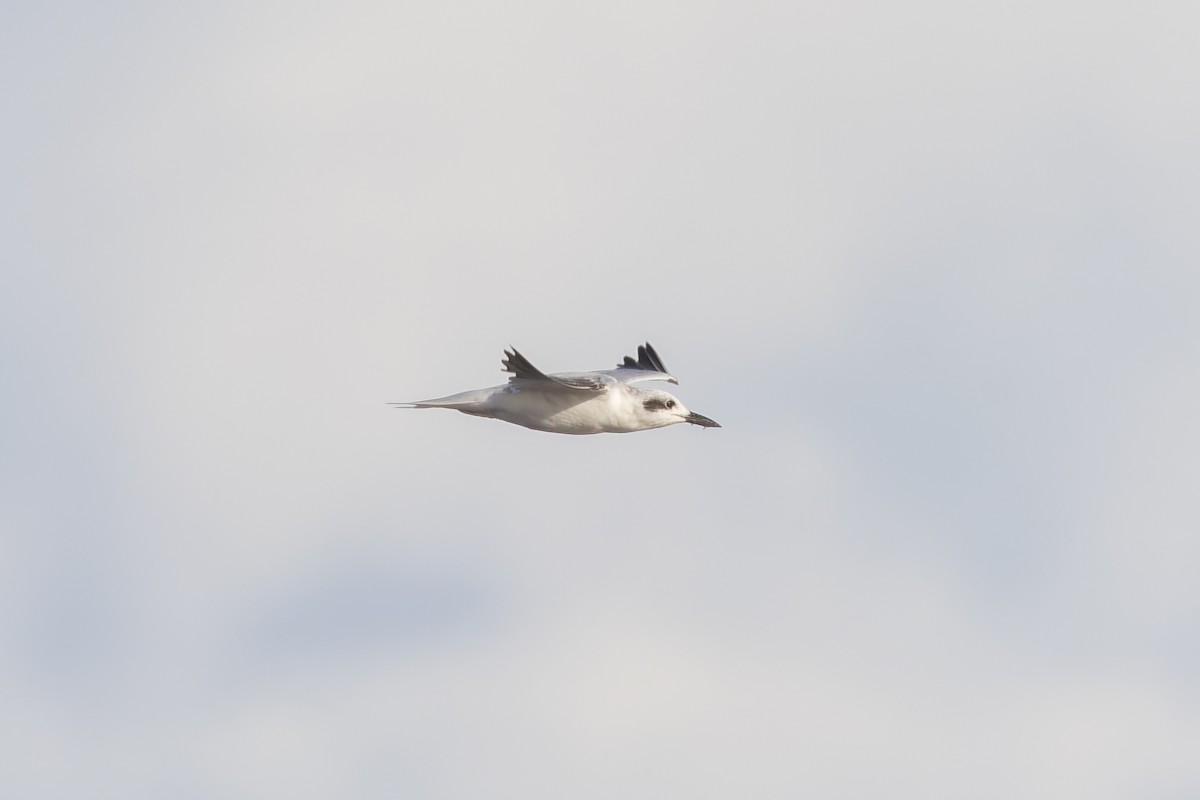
(654, 404)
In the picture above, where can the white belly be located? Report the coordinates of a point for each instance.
(560, 412)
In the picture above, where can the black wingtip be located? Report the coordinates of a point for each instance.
(648, 359)
(647, 351)
(519, 365)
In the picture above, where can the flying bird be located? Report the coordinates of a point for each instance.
(576, 402)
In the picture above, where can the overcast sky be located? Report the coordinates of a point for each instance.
(935, 268)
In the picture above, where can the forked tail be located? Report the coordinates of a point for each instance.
(463, 401)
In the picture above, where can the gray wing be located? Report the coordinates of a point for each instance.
(525, 373)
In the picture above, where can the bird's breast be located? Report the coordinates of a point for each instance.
(560, 412)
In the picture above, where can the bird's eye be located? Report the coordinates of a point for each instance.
(670, 404)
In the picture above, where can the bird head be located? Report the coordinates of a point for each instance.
(657, 409)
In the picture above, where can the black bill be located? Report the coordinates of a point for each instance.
(701, 420)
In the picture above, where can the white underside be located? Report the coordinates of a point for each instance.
(572, 412)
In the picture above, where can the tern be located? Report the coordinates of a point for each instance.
(605, 401)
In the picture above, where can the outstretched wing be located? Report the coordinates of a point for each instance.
(648, 367)
(526, 373)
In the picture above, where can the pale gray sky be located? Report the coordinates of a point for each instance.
(933, 267)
